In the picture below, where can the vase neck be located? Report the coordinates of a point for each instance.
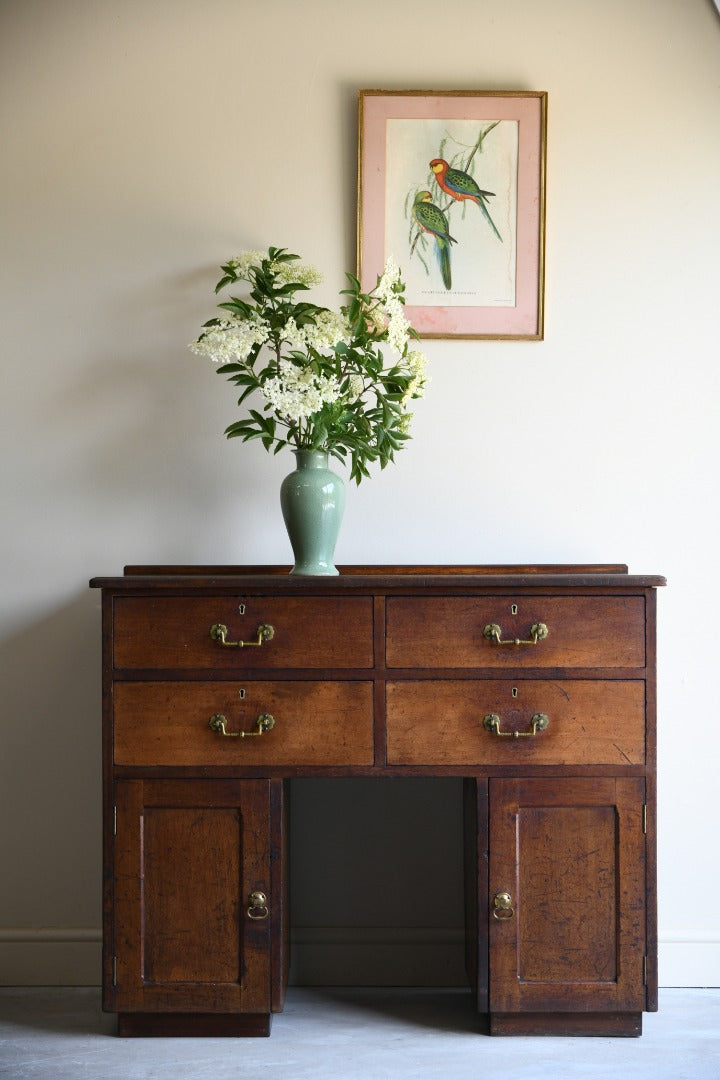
(311, 459)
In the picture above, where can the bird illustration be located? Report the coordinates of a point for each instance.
(431, 220)
(460, 185)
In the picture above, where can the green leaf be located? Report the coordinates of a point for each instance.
(240, 427)
(246, 393)
(224, 369)
(290, 288)
(239, 307)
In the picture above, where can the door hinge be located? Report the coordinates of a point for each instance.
(114, 971)
(644, 970)
(645, 817)
(114, 820)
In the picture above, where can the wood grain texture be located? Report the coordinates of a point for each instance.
(382, 671)
(441, 722)
(316, 723)
(376, 570)
(173, 633)
(607, 1025)
(584, 632)
(475, 835)
(260, 580)
(195, 940)
(188, 854)
(572, 855)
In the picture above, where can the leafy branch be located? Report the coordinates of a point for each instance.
(322, 377)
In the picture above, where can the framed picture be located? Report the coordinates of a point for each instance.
(451, 184)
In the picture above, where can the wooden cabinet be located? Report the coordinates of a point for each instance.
(567, 904)
(536, 685)
(194, 888)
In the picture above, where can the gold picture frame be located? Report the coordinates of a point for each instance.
(451, 184)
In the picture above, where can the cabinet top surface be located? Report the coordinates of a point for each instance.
(600, 576)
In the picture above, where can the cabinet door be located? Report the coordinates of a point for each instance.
(188, 935)
(567, 895)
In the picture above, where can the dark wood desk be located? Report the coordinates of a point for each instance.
(534, 684)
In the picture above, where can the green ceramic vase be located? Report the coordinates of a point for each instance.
(312, 500)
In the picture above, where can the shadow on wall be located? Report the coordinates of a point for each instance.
(131, 445)
(50, 775)
(377, 889)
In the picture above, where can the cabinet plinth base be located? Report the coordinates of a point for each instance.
(212, 1025)
(618, 1025)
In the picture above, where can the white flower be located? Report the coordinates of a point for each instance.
(294, 335)
(415, 389)
(284, 272)
(231, 340)
(378, 318)
(328, 329)
(397, 331)
(303, 273)
(390, 278)
(296, 393)
(322, 334)
(316, 357)
(356, 386)
(417, 362)
(241, 263)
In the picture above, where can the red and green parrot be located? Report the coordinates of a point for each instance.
(431, 220)
(460, 185)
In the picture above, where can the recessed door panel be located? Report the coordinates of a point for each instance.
(567, 895)
(189, 856)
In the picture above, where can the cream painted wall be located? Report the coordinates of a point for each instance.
(146, 140)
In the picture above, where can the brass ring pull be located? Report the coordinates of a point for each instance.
(538, 632)
(502, 907)
(265, 722)
(539, 722)
(219, 633)
(257, 906)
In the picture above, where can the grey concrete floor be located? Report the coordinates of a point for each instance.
(61, 1034)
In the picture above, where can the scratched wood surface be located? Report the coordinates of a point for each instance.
(380, 672)
(309, 632)
(316, 723)
(571, 853)
(441, 722)
(583, 631)
(190, 852)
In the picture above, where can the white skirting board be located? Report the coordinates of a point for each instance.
(689, 963)
(323, 957)
(50, 957)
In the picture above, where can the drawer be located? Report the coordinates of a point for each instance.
(440, 722)
(316, 723)
(310, 632)
(582, 632)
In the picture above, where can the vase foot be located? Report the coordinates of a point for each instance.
(306, 571)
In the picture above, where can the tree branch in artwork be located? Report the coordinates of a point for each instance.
(454, 178)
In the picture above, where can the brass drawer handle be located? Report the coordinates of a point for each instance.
(502, 906)
(257, 906)
(539, 722)
(219, 633)
(265, 722)
(538, 631)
